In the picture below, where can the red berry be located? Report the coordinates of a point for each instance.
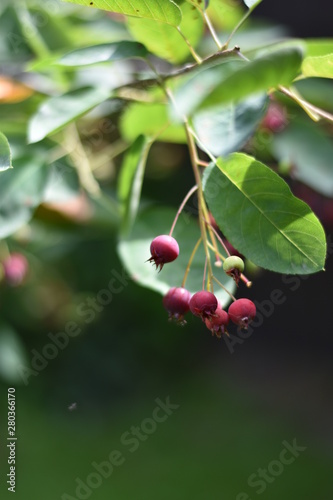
(203, 304)
(15, 269)
(217, 324)
(163, 249)
(241, 312)
(177, 303)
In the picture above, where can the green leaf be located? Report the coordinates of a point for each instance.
(233, 80)
(266, 72)
(12, 354)
(225, 128)
(134, 253)
(148, 119)
(258, 214)
(103, 53)
(5, 153)
(57, 112)
(165, 41)
(309, 150)
(190, 94)
(62, 183)
(319, 58)
(21, 191)
(130, 180)
(165, 11)
(321, 66)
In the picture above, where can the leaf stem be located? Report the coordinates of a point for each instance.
(195, 56)
(185, 200)
(81, 161)
(224, 288)
(190, 261)
(211, 29)
(314, 112)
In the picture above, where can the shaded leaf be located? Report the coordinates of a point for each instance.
(225, 129)
(62, 183)
(134, 252)
(265, 72)
(234, 80)
(130, 180)
(258, 214)
(59, 111)
(165, 11)
(104, 53)
(12, 354)
(5, 153)
(21, 191)
(309, 151)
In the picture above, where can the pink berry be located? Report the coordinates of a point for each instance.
(242, 312)
(217, 323)
(163, 249)
(275, 119)
(177, 303)
(203, 304)
(15, 269)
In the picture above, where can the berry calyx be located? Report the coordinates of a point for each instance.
(233, 266)
(15, 268)
(163, 249)
(203, 304)
(177, 303)
(217, 324)
(242, 312)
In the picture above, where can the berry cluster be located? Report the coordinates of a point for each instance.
(203, 304)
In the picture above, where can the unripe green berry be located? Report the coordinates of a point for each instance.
(233, 262)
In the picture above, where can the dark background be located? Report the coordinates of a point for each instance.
(235, 408)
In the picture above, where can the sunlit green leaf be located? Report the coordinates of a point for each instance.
(5, 153)
(165, 11)
(149, 119)
(258, 214)
(165, 41)
(134, 253)
(57, 112)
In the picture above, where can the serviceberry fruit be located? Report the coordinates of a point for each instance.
(203, 304)
(233, 266)
(177, 303)
(15, 268)
(217, 324)
(242, 312)
(163, 249)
